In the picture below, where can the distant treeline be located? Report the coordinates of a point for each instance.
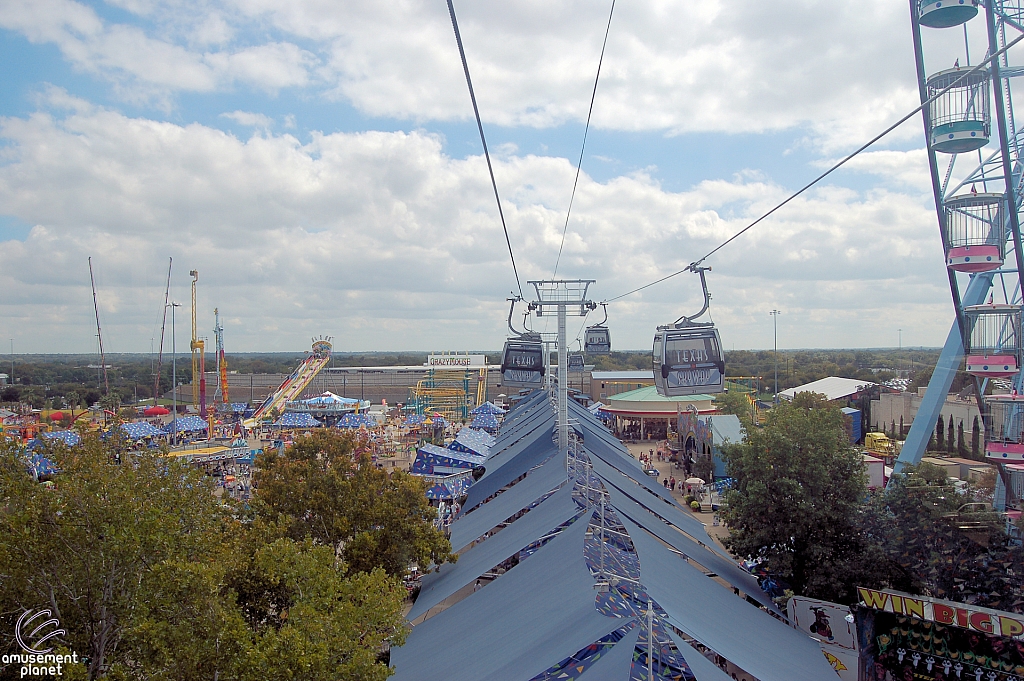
(58, 380)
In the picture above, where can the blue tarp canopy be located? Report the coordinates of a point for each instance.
(485, 422)
(356, 420)
(534, 599)
(68, 437)
(749, 637)
(431, 459)
(452, 488)
(296, 420)
(523, 494)
(188, 424)
(472, 441)
(414, 419)
(40, 465)
(136, 430)
(438, 421)
(547, 600)
(451, 577)
(487, 408)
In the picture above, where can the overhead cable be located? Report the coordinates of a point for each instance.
(483, 140)
(586, 129)
(692, 267)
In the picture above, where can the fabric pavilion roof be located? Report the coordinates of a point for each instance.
(356, 421)
(68, 437)
(301, 419)
(136, 430)
(548, 599)
(487, 408)
(187, 424)
(485, 421)
(473, 441)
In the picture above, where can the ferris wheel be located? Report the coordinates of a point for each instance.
(973, 144)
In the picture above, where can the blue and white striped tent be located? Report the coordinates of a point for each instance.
(136, 430)
(300, 419)
(68, 437)
(188, 424)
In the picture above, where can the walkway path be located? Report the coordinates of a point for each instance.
(717, 532)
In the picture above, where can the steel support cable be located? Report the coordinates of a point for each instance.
(586, 129)
(483, 141)
(692, 266)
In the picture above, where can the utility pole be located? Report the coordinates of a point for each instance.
(12, 361)
(775, 322)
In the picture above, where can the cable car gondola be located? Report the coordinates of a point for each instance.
(522, 360)
(687, 355)
(598, 340)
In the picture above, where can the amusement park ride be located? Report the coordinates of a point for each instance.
(293, 386)
(977, 200)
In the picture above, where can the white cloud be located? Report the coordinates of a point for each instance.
(841, 71)
(247, 118)
(385, 242)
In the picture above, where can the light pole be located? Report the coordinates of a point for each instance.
(174, 379)
(775, 323)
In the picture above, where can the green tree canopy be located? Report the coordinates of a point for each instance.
(153, 577)
(795, 503)
(941, 543)
(319, 489)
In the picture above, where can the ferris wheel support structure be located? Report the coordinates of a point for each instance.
(976, 230)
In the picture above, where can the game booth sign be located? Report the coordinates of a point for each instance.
(915, 638)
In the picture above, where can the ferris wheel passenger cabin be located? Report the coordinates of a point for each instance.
(947, 13)
(975, 232)
(959, 118)
(993, 344)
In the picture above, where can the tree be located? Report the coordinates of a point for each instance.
(903, 431)
(84, 547)
(795, 502)
(950, 446)
(704, 467)
(938, 545)
(372, 517)
(940, 433)
(153, 577)
(975, 440)
(734, 402)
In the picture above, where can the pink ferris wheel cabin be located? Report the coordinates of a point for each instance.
(993, 344)
(975, 232)
(1004, 427)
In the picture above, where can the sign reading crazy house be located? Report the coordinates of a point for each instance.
(902, 636)
(457, 361)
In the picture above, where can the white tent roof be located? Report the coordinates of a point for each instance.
(833, 388)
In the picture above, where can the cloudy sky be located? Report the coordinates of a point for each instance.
(317, 162)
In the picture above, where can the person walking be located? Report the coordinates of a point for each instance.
(672, 484)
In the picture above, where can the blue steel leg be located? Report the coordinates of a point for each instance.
(942, 378)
